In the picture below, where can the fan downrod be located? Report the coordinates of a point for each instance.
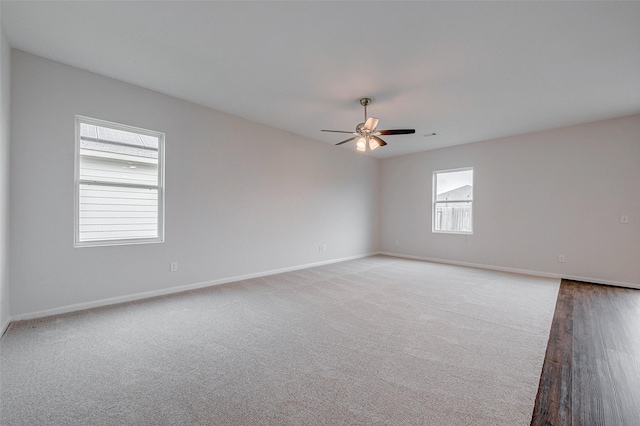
(364, 102)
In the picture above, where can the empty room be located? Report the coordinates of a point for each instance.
(319, 213)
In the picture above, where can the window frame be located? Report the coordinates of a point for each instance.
(160, 187)
(435, 202)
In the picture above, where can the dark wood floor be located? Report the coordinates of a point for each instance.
(591, 372)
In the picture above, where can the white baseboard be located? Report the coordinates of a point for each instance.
(515, 270)
(171, 290)
(194, 286)
(3, 328)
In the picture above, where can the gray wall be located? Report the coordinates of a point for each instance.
(5, 85)
(536, 196)
(241, 198)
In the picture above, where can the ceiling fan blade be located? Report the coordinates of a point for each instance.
(396, 132)
(346, 140)
(337, 131)
(370, 124)
(380, 141)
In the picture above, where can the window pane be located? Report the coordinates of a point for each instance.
(455, 185)
(117, 156)
(454, 217)
(112, 213)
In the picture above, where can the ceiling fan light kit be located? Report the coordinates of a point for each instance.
(366, 133)
(361, 144)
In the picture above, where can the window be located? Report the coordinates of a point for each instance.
(119, 184)
(453, 201)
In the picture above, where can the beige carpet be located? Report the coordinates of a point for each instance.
(375, 341)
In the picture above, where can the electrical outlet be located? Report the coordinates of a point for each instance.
(397, 243)
(324, 247)
(174, 267)
(561, 258)
(624, 218)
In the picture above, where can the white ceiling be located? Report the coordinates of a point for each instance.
(469, 71)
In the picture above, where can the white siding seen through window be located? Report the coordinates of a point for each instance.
(119, 175)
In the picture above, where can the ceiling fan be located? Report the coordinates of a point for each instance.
(366, 133)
